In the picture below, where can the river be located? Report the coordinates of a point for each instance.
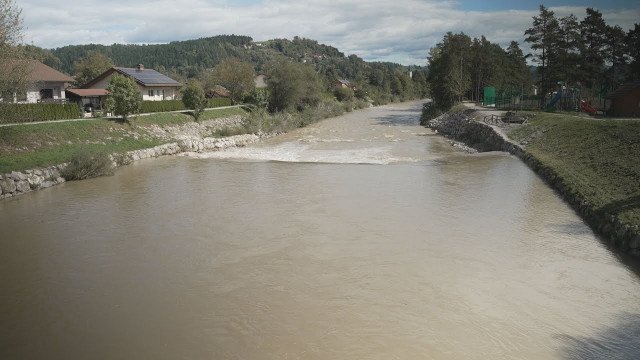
(360, 237)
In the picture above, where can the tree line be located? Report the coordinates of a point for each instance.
(587, 53)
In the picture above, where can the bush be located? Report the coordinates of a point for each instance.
(193, 98)
(88, 163)
(429, 111)
(21, 113)
(219, 102)
(343, 94)
(161, 106)
(177, 105)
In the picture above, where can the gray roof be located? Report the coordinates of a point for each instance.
(148, 77)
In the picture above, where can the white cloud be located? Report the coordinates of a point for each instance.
(400, 31)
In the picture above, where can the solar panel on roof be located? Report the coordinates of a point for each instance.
(149, 76)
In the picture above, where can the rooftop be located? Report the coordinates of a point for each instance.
(147, 77)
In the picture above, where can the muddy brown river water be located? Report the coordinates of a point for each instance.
(361, 237)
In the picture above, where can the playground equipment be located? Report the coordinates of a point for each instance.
(554, 100)
(584, 106)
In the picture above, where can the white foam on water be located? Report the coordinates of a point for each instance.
(297, 152)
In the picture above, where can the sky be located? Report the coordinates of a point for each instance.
(400, 31)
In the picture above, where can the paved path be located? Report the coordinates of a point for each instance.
(113, 117)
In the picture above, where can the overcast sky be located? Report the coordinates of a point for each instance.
(376, 30)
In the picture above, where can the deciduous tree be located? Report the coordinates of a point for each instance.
(292, 86)
(124, 96)
(235, 75)
(91, 66)
(13, 77)
(194, 99)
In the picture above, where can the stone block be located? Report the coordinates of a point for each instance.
(8, 186)
(23, 186)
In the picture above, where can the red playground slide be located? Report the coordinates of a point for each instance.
(587, 108)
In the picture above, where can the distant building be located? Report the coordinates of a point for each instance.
(344, 84)
(45, 83)
(624, 101)
(153, 85)
(218, 91)
(260, 81)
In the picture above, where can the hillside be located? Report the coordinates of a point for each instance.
(191, 58)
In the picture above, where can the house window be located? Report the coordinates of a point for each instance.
(46, 94)
(151, 93)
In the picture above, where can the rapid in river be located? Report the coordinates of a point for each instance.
(364, 236)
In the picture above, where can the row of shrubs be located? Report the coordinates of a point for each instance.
(260, 120)
(177, 105)
(23, 113)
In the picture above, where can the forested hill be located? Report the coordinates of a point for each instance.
(183, 56)
(189, 58)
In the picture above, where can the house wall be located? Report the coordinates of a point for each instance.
(626, 106)
(102, 84)
(169, 92)
(33, 92)
(158, 93)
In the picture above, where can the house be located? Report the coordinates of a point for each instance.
(344, 84)
(624, 101)
(217, 92)
(153, 85)
(45, 84)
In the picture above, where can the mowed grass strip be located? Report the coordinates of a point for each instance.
(598, 158)
(30, 146)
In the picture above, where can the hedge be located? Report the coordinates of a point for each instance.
(22, 113)
(161, 106)
(177, 105)
(219, 102)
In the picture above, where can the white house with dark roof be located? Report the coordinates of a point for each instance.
(153, 85)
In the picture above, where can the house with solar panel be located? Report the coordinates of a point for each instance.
(153, 85)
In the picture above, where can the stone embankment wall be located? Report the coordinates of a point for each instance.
(18, 183)
(483, 137)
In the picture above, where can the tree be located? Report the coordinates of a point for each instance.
(449, 73)
(543, 36)
(13, 77)
(124, 96)
(632, 42)
(235, 75)
(292, 86)
(615, 53)
(91, 66)
(10, 23)
(593, 31)
(516, 72)
(193, 98)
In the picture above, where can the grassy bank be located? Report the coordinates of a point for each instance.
(38, 145)
(598, 159)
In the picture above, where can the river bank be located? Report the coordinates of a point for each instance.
(45, 147)
(592, 164)
(34, 157)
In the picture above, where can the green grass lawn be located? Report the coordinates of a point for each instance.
(599, 159)
(38, 145)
